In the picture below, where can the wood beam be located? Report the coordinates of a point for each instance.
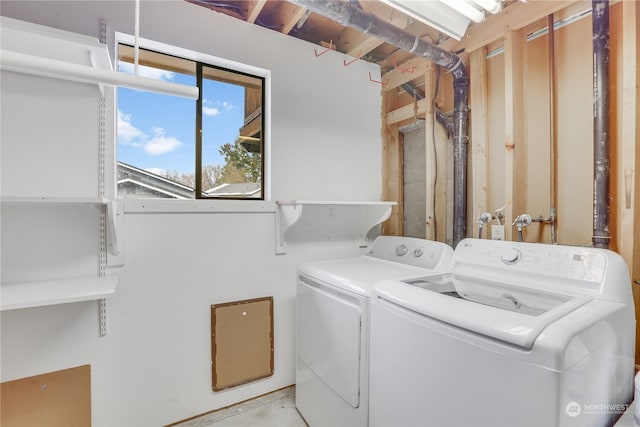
(431, 160)
(628, 156)
(514, 17)
(628, 138)
(405, 72)
(480, 162)
(392, 161)
(358, 46)
(288, 16)
(515, 144)
(444, 200)
(255, 7)
(416, 109)
(631, 133)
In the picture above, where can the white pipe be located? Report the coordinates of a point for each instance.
(53, 68)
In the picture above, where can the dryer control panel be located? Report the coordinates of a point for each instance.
(408, 250)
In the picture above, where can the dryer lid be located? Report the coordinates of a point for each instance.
(509, 313)
(360, 274)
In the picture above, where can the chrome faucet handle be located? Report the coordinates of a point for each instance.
(484, 218)
(522, 220)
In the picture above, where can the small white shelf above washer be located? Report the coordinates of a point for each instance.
(17, 295)
(328, 220)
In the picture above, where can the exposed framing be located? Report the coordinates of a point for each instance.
(515, 141)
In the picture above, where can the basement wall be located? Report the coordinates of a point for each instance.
(154, 365)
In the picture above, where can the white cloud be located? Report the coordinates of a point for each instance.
(226, 105)
(161, 144)
(210, 111)
(144, 71)
(208, 108)
(127, 132)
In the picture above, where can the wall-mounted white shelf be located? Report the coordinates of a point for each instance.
(114, 212)
(19, 200)
(17, 295)
(315, 219)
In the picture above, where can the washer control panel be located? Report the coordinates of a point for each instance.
(510, 255)
(570, 262)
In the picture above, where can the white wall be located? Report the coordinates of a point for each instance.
(153, 367)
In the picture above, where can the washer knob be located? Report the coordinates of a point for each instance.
(510, 256)
(401, 250)
(417, 253)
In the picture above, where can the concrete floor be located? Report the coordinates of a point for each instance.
(276, 409)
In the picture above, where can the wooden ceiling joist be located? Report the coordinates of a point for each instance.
(288, 16)
(515, 17)
(405, 72)
(255, 7)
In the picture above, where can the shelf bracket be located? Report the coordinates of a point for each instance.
(371, 217)
(286, 215)
(115, 214)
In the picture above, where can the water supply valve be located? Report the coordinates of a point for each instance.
(483, 218)
(522, 221)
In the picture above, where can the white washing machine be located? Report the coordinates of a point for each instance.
(516, 334)
(332, 324)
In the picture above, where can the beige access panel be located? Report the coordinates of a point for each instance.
(241, 342)
(61, 398)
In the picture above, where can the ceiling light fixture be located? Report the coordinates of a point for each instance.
(434, 14)
(451, 17)
(468, 9)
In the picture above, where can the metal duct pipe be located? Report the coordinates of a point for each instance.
(347, 14)
(600, 18)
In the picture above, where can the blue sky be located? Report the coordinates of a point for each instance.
(157, 132)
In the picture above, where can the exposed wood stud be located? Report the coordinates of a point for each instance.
(628, 135)
(431, 160)
(515, 17)
(625, 202)
(408, 111)
(392, 168)
(479, 130)
(515, 145)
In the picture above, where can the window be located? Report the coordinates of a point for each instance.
(171, 147)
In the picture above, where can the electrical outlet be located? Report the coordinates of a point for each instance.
(497, 232)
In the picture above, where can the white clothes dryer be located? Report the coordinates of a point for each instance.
(332, 324)
(516, 334)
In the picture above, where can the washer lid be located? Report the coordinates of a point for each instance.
(509, 313)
